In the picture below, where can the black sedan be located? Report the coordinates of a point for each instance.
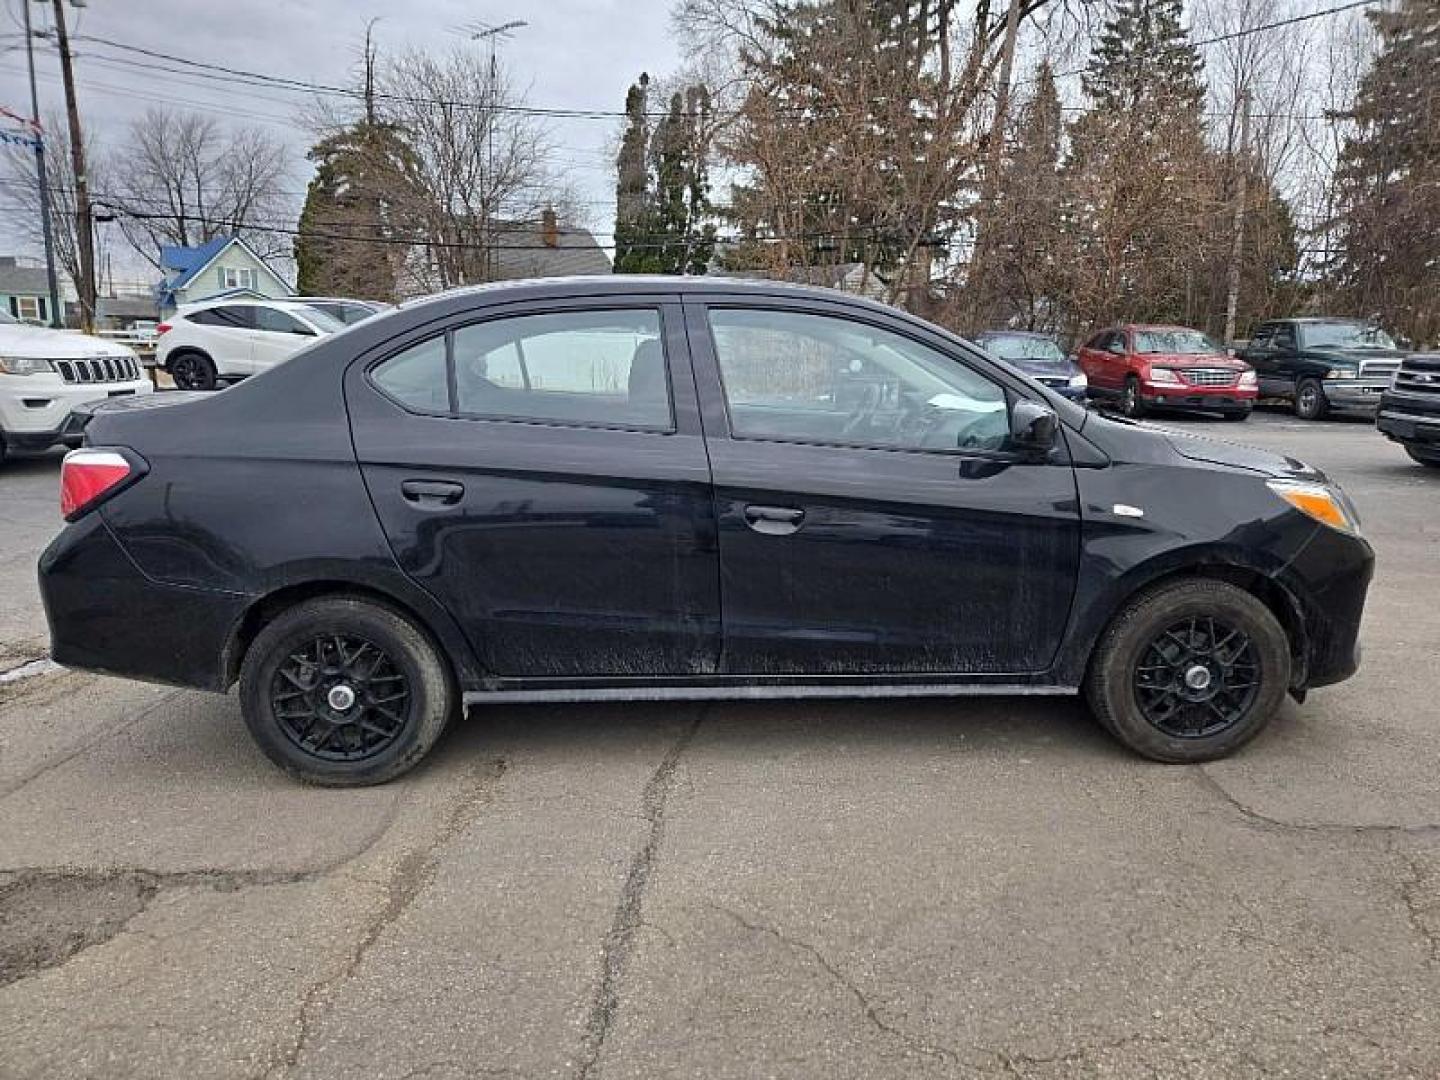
(654, 488)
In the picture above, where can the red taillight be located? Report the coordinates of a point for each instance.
(86, 476)
(163, 328)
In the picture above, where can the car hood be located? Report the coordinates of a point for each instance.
(1037, 366)
(1235, 456)
(37, 342)
(1356, 357)
(1220, 360)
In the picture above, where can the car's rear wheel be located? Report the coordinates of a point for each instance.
(1423, 456)
(1131, 403)
(344, 691)
(192, 371)
(1189, 671)
(1310, 403)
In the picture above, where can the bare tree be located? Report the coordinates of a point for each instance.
(482, 167)
(183, 180)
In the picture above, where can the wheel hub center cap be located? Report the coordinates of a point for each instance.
(340, 698)
(1197, 678)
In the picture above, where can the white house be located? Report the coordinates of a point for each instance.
(223, 267)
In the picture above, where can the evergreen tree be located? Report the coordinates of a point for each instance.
(1140, 180)
(662, 193)
(1388, 181)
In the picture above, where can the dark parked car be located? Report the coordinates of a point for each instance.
(1323, 364)
(1410, 408)
(658, 488)
(1038, 356)
(1140, 368)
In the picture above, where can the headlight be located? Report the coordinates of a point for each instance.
(1320, 501)
(1165, 376)
(1248, 381)
(23, 365)
(1079, 382)
(1342, 373)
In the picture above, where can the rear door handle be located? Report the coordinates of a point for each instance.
(774, 520)
(432, 492)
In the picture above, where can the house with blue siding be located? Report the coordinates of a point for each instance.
(221, 268)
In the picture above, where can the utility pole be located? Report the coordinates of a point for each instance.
(990, 192)
(84, 226)
(42, 179)
(1237, 239)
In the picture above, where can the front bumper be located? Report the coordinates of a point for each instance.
(105, 615)
(35, 409)
(1354, 394)
(1220, 399)
(1328, 581)
(1405, 418)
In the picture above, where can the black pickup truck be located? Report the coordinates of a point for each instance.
(1410, 409)
(1323, 364)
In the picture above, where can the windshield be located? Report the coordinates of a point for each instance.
(1185, 342)
(1023, 347)
(1344, 335)
(323, 320)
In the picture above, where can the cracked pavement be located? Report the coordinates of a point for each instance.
(843, 889)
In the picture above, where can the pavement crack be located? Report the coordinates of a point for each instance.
(629, 909)
(412, 875)
(1317, 827)
(870, 1010)
(1414, 888)
(1015, 1063)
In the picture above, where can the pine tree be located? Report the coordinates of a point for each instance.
(1140, 180)
(1388, 181)
(662, 194)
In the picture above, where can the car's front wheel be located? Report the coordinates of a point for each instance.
(1310, 403)
(344, 691)
(1189, 671)
(1131, 403)
(192, 371)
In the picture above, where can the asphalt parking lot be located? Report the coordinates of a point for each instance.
(877, 889)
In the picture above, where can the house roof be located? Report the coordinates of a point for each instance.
(22, 280)
(187, 262)
(525, 254)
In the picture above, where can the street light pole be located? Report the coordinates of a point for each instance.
(42, 179)
(84, 227)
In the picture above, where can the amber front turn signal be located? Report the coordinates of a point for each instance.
(1321, 502)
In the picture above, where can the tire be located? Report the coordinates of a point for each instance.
(1236, 417)
(1131, 404)
(1310, 403)
(192, 371)
(1423, 457)
(291, 713)
(3, 452)
(1130, 668)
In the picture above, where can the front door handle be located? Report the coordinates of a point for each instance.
(774, 520)
(431, 493)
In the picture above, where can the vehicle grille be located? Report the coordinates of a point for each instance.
(1210, 376)
(1418, 376)
(101, 369)
(1378, 369)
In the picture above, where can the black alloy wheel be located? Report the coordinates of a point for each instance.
(1197, 678)
(340, 698)
(192, 371)
(345, 691)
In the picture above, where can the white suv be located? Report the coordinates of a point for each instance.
(202, 344)
(46, 373)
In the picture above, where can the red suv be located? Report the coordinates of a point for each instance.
(1171, 367)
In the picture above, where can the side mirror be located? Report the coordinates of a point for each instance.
(1033, 428)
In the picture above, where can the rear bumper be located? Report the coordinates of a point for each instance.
(105, 615)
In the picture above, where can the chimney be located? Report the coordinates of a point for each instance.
(549, 230)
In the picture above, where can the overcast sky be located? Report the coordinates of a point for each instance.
(573, 54)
